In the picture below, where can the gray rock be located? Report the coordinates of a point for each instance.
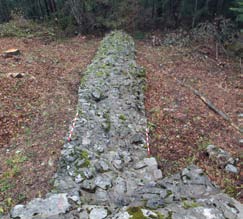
(83, 214)
(120, 186)
(221, 156)
(65, 184)
(157, 174)
(101, 166)
(137, 139)
(103, 182)
(98, 213)
(75, 198)
(52, 206)
(80, 163)
(122, 215)
(79, 179)
(88, 185)
(99, 148)
(231, 168)
(140, 165)
(155, 203)
(97, 95)
(88, 173)
(118, 164)
(127, 157)
(101, 196)
(151, 162)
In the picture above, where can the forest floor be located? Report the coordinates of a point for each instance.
(36, 111)
(182, 124)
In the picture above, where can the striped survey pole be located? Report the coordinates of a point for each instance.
(147, 142)
(72, 127)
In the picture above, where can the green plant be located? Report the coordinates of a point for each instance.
(238, 10)
(139, 35)
(203, 142)
(5, 184)
(107, 124)
(191, 204)
(151, 126)
(159, 216)
(17, 159)
(20, 27)
(21, 197)
(84, 155)
(230, 188)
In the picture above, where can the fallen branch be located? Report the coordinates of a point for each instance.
(209, 104)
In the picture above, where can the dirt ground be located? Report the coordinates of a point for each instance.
(182, 125)
(36, 111)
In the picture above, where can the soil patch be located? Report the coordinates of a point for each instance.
(36, 111)
(182, 125)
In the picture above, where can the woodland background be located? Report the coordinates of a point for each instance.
(95, 16)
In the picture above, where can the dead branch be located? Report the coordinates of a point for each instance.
(208, 103)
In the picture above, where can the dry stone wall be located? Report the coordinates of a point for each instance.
(104, 172)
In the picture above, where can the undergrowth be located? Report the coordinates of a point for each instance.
(23, 28)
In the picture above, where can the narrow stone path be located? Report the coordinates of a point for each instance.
(104, 171)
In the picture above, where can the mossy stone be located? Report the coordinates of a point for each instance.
(136, 213)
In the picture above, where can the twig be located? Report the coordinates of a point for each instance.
(209, 104)
(240, 66)
(217, 51)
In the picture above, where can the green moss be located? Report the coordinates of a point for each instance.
(122, 117)
(136, 213)
(169, 215)
(83, 80)
(191, 204)
(107, 124)
(168, 193)
(80, 111)
(85, 156)
(141, 73)
(99, 74)
(160, 216)
(144, 87)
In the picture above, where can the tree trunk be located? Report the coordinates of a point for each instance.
(195, 14)
(47, 8)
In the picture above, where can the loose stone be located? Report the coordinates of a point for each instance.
(231, 168)
(140, 165)
(103, 182)
(155, 203)
(98, 213)
(88, 185)
(118, 164)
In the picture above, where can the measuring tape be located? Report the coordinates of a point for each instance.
(72, 128)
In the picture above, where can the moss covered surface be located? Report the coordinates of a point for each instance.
(136, 213)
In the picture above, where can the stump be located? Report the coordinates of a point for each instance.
(11, 52)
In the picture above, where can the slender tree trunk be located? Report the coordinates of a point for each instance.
(47, 8)
(4, 12)
(195, 13)
(41, 9)
(52, 6)
(220, 4)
